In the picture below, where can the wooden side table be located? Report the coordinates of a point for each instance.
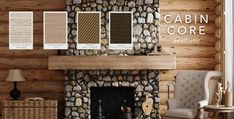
(217, 110)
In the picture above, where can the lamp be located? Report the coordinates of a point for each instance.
(15, 76)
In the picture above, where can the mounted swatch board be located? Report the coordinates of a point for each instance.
(120, 30)
(55, 30)
(88, 30)
(20, 30)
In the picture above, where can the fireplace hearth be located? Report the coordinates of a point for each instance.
(82, 87)
(107, 101)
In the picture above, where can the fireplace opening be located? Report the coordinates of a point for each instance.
(112, 102)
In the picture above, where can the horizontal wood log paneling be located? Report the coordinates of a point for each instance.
(204, 40)
(7, 5)
(182, 14)
(191, 51)
(195, 63)
(188, 5)
(40, 81)
(163, 88)
(23, 63)
(34, 86)
(190, 56)
(37, 52)
(37, 75)
(164, 98)
(209, 28)
(24, 95)
(168, 75)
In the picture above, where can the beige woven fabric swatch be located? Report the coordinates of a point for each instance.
(88, 28)
(55, 28)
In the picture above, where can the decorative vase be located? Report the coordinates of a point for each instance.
(228, 96)
(147, 106)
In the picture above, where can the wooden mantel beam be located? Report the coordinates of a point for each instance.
(111, 62)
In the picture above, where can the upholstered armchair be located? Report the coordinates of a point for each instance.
(191, 94)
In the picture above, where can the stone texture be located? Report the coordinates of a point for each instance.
(131, 4)
(150, 18)
(141, 20)
(148, 1)
(137, 30)
(145, 36)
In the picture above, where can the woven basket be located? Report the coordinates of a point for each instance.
(31, 109)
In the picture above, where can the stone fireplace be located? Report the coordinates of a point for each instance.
(106, 102)
(80, 83)
(78, 90)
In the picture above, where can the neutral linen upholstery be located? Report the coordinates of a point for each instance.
(191, 94)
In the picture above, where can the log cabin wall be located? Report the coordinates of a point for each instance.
(199, 56)
(40, 82)
(50, 84)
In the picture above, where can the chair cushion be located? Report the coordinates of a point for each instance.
(180, 113)
(190, 88)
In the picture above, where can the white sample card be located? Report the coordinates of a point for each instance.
(88, 30)
(121, 33)
(55, 30)
(20, 30)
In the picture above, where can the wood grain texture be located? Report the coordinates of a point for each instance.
(163, 87)
(58, 96)
(40, 81)
(218, 10)
(218, 57)
(209, 28)
(34, 87)
(195, 63)
(37, 75)
(23, 63)
(205, 40)
(218, 67)
(182, 14)
(218, 33)
(190, 56)
(168, 75)
(7, 5)
(112, 62)
(183, 5)
(218, 45)
(164, 97)
(191, 51)
(37, 52)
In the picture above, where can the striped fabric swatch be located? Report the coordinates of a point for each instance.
(55, 30)
(88, 28)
